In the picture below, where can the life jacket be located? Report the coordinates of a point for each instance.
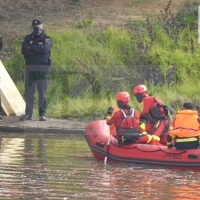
(186, 124)
(128, 130)
(185, 134)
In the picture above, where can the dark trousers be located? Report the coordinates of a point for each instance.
(36, 78)
(185, 144)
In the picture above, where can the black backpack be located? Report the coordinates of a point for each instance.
(159, 111)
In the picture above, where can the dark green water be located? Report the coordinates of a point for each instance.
(45, 167)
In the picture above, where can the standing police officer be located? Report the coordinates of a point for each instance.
(36, 49)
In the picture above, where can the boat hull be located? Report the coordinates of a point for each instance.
(97, 134)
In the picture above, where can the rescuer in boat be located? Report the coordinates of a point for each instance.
(186, 129)
(154, 114)
(126, 120)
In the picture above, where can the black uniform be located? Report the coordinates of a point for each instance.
(36, 50)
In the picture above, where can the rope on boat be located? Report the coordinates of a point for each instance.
(159, 149)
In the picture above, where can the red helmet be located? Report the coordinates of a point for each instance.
(123, 96)
(139, 89)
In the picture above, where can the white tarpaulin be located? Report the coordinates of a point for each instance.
(11, 100)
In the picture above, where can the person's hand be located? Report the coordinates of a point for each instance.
(110, 110)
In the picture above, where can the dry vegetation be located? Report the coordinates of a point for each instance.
(16, 16)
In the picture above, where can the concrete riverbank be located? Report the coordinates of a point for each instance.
(10, 124)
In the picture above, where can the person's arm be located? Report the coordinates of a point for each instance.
(110, 114)
(112, 118)
(42, 47)
(144, 116)
(146, 106)
(1, 43)
(26, 47)
(136, 114)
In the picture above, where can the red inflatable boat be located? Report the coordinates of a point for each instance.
(97, 135)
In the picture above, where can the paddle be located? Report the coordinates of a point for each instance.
(107, 149)
(112, 127)
(170, 113)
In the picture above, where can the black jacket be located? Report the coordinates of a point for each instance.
(37, 49)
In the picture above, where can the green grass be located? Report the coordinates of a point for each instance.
(91, 65)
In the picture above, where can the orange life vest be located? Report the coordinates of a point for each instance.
(128, 122)
(186, 124)
(128, 130)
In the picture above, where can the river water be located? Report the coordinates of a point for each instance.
(45, 167)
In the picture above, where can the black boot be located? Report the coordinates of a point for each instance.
(25, 117)
(42, 118)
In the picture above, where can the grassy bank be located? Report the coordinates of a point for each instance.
(91, 65)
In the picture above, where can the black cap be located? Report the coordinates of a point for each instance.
(188, 105)
(36, 22)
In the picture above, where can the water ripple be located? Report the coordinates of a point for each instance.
(64, 168)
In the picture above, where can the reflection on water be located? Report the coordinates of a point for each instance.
(61, 167)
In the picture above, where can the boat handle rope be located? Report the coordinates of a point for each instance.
(159, 149)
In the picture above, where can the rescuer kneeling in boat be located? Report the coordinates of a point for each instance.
(154, 114)
(186, 129)
(126, 120)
